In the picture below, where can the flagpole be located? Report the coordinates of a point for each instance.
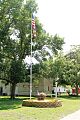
(31, 62)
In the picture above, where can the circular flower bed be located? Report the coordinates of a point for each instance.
(42, 103)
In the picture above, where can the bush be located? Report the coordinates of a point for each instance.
(41, 96)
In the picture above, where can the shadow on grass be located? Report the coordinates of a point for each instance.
(7, 103)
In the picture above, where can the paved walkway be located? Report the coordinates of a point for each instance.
(73, 116)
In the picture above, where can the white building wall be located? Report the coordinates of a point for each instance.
(24, 88)
(59, 89)
(5, 89)
(48, 86)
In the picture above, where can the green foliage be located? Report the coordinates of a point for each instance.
(73, 69)
(15, 40)
(17, 71)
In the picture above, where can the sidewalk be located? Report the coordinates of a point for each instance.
(73, 116)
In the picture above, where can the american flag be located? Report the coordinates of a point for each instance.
(33, 27)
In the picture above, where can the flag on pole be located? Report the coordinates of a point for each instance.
(33, 27)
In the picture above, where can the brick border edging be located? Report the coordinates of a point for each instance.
(42, 104)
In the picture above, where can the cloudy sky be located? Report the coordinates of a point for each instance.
(61, 17)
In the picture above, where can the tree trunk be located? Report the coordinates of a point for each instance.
(13, 86)
(76, 89)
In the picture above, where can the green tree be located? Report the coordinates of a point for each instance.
(58, 69)
(73, 72)
(15, 40)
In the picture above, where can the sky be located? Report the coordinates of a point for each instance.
(61, 17)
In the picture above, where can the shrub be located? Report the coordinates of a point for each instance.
(41, 96)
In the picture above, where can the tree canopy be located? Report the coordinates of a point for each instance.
(15, 40)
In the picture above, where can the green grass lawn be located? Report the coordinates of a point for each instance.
(13, 109)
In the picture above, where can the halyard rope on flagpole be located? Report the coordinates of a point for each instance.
(31, 62)
(33, 35)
